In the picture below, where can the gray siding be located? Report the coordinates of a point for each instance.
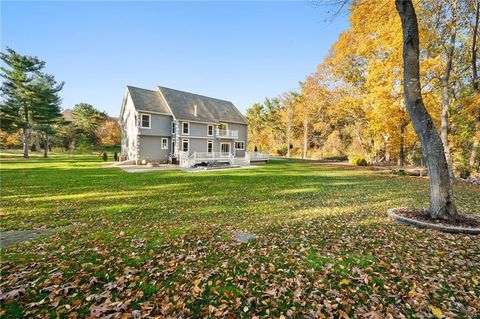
(200, 144)
(160, 125)
(242, 136)
(196, 129)
(151, 148)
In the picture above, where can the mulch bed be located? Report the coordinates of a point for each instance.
(422, 215)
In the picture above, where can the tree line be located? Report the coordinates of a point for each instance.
(353, 104)
(31, 114)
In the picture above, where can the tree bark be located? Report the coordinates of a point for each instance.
(445, 80)
(37, 141)
(71, 146)
(476, 89)
(25, 140)
(442, 201)
(305, 138)
(45, 146)
(475, 83)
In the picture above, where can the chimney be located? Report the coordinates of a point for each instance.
(195, 109)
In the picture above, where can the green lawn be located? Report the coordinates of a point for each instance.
(160, 243)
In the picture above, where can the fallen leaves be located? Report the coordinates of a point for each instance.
(323, 253)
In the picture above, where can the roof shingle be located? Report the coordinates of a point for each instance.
(209, 109)
(148, 100)
(182, 105)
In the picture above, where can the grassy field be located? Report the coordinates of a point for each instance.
(160, 244)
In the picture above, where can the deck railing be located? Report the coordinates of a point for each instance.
(187, 160)
(257, 156)
(227, 133)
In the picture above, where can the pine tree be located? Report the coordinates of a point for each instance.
(16, 106)
(46, 111)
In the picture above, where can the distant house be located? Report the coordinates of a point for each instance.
(161, 124)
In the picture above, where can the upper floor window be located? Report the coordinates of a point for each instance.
(173, 127)
(145, 120)
(240, 145)
(210, 130)
(186, 128)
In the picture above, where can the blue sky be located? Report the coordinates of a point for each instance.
(238, 51)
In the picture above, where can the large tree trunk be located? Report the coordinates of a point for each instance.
(445, 80)
(45, 146)
(25, 141)
(37, 141)
(442, 202)
(71, 146)
(476, 89)
(475, 83)
(305, 138)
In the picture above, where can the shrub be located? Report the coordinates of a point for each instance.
(282, 151)
(462, 169)
(105, 157)
(359, 161)
(400, 172)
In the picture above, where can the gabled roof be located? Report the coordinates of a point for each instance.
(181, 105)
(147, 100)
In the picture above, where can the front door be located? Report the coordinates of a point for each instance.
(224, 149)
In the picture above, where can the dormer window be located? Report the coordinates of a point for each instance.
(145, 120)
(186, 128)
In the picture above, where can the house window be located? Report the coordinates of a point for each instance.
(185, 145)
(164, 143)
(186, 128)
(209, 147)
(210, 130)
(145, 120)
(240, 145)
(173, 146)
(223, 126)
(173, 127)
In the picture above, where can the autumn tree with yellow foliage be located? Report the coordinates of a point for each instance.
(353, 104)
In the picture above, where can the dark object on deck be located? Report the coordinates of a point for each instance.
(172, 159)
(105, 157)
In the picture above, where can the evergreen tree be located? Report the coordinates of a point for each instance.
(46, 110)
(16, 105)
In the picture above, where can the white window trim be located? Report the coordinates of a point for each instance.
(183, 126)
(164, 147)
(209, 142)
(173, 128)
(188, 144)
(149, 121)
(229, 149)
(213, 129)
(239, 148)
